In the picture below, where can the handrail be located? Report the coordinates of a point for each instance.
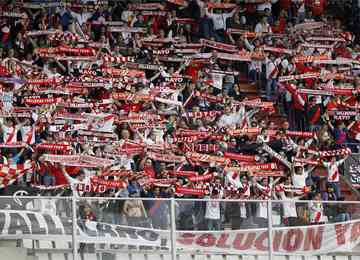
(177, 199)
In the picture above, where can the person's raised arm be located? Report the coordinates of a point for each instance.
(309, 170)
(67, 176)
(248, 45)
(211, 15)
(338, 163)
(232, 13)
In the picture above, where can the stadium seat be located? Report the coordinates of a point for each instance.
(90, 257)
(122, 256)
(62, 245)
(184, 256)
(42, 256)
(28, 243)
(281, 257)
(343, 257)
(326, 257)
(58, 256)
(138, 256)
(249, 257)
(216, 257)
(312, 258)
(295, 257)
(155, 257)
(43, 244)
(263, 257)
(232, 257)
(200, 257)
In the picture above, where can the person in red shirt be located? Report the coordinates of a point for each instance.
(317, 6)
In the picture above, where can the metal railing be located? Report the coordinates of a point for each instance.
(175, 220)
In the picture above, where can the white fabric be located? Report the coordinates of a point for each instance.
(232, 119)
(333, 170)
(7, 100)
(212, 210)
(219, 20)
(26, 133)
(261, 28)
(315, 208)
(7, 132)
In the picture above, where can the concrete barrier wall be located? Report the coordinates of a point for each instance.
(57, 250)
(124, 256)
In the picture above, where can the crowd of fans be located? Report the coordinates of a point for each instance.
(127, 99)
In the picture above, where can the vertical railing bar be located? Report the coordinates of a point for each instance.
(173, 229)
(270, 234)
(74, 227)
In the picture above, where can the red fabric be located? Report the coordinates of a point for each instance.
(296, 104)
(302, 68)
(355, 129)
(343, 52)
(331, 105)
(250, 8)
(351, 101)
(57, 173)
(193, 71)
(41, 168)
(72, 170)
(149, 171)
(131, 107)
(316, 116)
(281, 27)
(155, 26)
(285, 4)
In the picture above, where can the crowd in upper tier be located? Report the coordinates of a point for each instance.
(152, 99)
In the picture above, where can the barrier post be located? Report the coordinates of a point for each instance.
(173, 229)
(74, 225)
(270, 234)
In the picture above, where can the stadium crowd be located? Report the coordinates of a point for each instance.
(127, 99)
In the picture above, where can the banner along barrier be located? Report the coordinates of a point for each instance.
(19, 224)
(305, 240)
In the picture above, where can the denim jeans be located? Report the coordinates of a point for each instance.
(213, 224)
(270, 88)
(336, 188)
(341, 217)
(228, 87)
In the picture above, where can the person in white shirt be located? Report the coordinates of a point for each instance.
(299, 176)
(290, 216)
(231, 119)
(263, 26)
(272, 72)
(267, 5)
(333, 179)
(74, 182)
(265, 193)
(81, 17)
(212, 212)
(316, 210)
(219, 21)
(9, 130)
(263, 137)
(28, 130)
